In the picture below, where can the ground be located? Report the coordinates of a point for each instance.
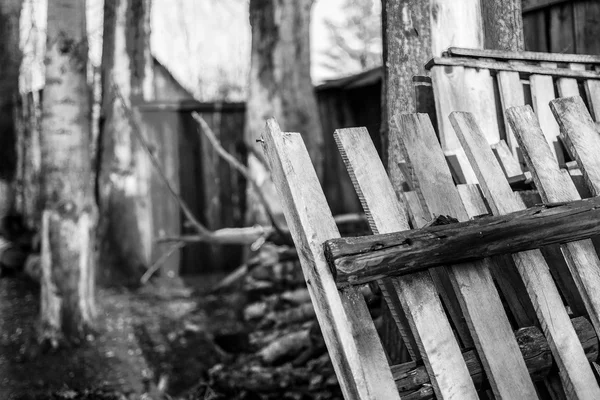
(173, 341)
(147, 341)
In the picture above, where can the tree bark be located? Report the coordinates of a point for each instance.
(67, 285)
(280, 87)
(503, 24)
(406, 48)
(10, 61)
(124, 176)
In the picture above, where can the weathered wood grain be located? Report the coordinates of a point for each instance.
(574, 369)
(524, 55)
(350, 336)
(568, 87)
(542, 92)
(503, 66)
(359, 159)
(511, 94)
(581, 137)
(439, 349)
(555, 185)
(363, 259)
(533, 346)
(503, 268)
(472, 282)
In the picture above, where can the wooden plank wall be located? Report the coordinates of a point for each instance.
(214, 192)
(571, 26)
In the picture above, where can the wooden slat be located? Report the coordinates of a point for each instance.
(351, 338)
(568, 87)
(542, 92)
(587, 29)
(524, 55)
(511, 95)
(592, 92)
(464, 89)
(508, 161)
(472, 282)
(503, 268)
(555, 185)
(503, 66)
(581, 137)
(574, 369)
(442, 356)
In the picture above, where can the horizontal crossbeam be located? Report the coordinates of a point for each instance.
(359, 260)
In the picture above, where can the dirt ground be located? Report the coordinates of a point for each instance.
(156, 342)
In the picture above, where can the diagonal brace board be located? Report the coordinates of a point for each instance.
(366, 258)
(348, 330)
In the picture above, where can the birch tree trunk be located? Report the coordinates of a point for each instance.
(10, 60)
(124, 169)
(67, 283)
(280, 87)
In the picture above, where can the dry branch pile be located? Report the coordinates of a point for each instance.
(282, 354)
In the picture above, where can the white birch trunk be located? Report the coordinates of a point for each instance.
(68, 306)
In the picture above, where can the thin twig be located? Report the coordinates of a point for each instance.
(200, 228)
(161, 260)
(238, 166)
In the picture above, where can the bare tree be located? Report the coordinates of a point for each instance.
(10, 60)
(280, 87)
(69, 215)
(355, 37)
(125, 231)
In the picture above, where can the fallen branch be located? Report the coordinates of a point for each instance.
(159, 263)
(238, 166)
(198, 226)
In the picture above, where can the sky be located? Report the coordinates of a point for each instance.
(200, 51)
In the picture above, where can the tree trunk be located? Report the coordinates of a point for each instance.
(406, 48)
(280, 87)
(68, 306)
(124, 179)
(503, 24)
(10, 61)
(27, 188)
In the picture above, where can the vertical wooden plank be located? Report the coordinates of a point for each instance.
(511, 95)
(165, 212)
(534, 30)
(574, 369)
(562, 35)
(581, 138)
(464, 89)
(350, 336)
(568, 87)
(555, 185)
(480, 302)
(542, 92)
(587, 26)
(592, 92)
(445, 364)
